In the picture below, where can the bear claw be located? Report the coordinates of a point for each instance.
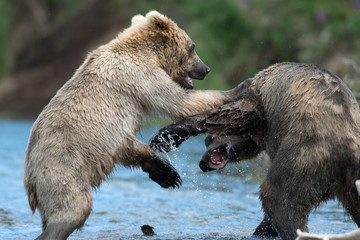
(166, 176)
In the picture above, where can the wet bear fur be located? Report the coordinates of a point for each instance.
(90, 124)
(307, 121)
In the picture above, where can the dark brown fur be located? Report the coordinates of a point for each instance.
(311, 131)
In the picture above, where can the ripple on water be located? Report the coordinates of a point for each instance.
(217, 205)
(5, 218)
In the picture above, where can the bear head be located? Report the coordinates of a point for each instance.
(173, 48)
(223, 149)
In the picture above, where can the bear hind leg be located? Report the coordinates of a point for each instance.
(351, 202)
(64, 203)
(61, 223)
(56, 231)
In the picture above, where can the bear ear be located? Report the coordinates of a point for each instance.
(158, 20)
(137, 19)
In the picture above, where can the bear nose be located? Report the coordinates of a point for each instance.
(207, 70)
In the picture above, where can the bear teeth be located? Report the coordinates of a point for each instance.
(216, 163)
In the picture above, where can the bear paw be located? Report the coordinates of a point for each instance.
(171, 137)
(165, 175)
(164, 141)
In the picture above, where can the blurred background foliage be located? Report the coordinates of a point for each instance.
(42, 42)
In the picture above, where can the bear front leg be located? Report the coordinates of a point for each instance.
(235, 118)
(173, 135)
(163, 173)
(286, 202)
(266, 228)
(159, 169)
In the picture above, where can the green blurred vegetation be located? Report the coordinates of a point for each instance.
(5, 24)
(237, 38)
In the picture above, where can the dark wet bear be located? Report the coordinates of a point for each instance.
(307, 121)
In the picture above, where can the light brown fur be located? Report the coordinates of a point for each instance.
(90, 124)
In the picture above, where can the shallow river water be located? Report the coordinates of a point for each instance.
(216, 205)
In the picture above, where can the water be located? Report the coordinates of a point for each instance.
(216, 205)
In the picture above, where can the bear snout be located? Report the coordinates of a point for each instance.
(199, 72)
(207, 69)
(204, 166)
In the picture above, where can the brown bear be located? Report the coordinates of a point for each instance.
(307, 121)
(90, 124)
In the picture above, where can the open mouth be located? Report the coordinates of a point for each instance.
(219, 157)
(188, 82)
(192, 75)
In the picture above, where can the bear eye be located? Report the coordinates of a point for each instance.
(192, 48)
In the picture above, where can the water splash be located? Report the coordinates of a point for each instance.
(215, 205)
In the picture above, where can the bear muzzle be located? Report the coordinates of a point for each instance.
(216, 157)
(199, 73)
